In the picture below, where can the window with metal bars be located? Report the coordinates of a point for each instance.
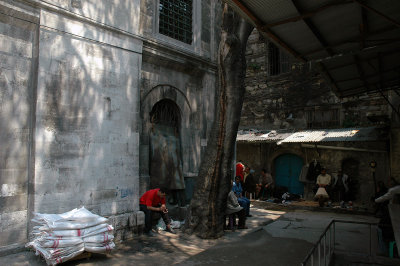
(278, 61)
(175, 19)
(320, 118)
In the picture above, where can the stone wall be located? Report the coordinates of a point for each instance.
(185, 74)
(121, 15)
(70, 118)
(283, 102)
(86, 120)
(77, 81)
(270, 100)
(18, 59)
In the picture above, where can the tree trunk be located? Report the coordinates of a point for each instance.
(207, 208)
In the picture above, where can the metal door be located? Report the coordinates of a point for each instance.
(287, 172)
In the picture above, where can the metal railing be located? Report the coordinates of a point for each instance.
(324, 256)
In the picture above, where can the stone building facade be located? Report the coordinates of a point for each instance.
(285, 96)
(78, 81)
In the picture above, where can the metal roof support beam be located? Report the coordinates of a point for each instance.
(388, 101)
(369, 76)
(328, 76)
(341, 148)
(360, 71)
(306, 14)
(314, 30)
(356, 90)
(369, 58)
(268, 32)
(398, 93)
(357, 39)
(378, 13)
(374, 84)
(363, 28)
(380, 70)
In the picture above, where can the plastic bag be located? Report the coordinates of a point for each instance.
(175, 224)
(75, 219)
(99, 238)
(99, 248)
(161, 225)
(60, 237)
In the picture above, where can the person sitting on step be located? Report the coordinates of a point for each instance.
(243, 201)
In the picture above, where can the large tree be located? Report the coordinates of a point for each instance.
(207, 208)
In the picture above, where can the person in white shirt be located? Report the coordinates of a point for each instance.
(323, 181)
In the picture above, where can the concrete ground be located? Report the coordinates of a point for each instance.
(274, 237)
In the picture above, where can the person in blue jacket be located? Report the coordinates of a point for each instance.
(243, 201)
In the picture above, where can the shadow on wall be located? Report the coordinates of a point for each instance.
(86, 139)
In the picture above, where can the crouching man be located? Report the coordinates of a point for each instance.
(153, 202)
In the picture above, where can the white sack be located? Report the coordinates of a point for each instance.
(102, 248)
(99, 238)
(75, 219)
(321, 192)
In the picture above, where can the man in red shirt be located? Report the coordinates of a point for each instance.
(153, 201)
(239, 171)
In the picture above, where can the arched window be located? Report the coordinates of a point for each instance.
(165, 147)
(166, 112)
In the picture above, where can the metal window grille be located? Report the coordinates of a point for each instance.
(166, 112)
(274, 62)
(286, 62)
(278, 61)
(176, 19)
(317, 118)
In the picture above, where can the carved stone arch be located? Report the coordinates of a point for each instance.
(165, 96)
(161, 92)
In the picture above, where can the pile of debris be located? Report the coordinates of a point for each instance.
(61, 237)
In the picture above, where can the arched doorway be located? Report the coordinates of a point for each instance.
(287, 172)
(165, 149)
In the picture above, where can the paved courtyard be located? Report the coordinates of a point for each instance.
(274, 237)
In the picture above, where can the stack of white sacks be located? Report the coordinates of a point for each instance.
(60, 237)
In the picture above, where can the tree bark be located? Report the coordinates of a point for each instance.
(207, 208)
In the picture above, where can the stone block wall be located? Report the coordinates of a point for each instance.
(72, 94)
(18, 58)
(86, 120)
(270, 100)
(193, 91)
(205, 25)
(122, 15)
(283, 101)
(69, 113)
(183, 73)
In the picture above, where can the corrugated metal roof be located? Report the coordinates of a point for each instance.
(261, 136)
(333, 135)
(314, 135)
(355, 43)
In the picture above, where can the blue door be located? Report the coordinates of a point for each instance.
(287, 172)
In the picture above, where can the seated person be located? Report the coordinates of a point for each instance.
(153, 202)
(323, 181)
(233, 207)
(266, 184)
(243, 201)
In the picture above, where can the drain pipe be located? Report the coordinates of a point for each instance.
(315, 146)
